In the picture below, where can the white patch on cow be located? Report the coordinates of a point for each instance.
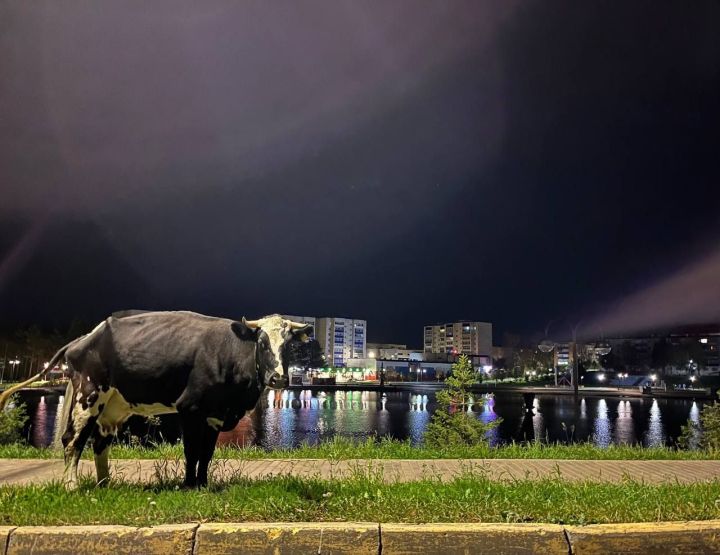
(215, 423)
(80, 418)
(96, 328)
(274, 326)
(117, 410)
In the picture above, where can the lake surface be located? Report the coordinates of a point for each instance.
(292, 417)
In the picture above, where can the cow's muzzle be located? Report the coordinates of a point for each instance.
(278, 382)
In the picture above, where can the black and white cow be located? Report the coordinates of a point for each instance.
(208, 370)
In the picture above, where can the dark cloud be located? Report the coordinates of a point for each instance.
(401, 162)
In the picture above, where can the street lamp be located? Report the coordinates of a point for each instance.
(14, 364)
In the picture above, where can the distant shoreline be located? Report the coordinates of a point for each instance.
(703, 394)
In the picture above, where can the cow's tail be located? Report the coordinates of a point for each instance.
(62, 419)
(5, 395)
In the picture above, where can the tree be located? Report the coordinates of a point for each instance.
(12, 420)
(452, 424)
(662, 355)
(306, 354)
(531, 359)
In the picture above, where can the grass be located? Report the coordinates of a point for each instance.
(469, 498)
(341, 448)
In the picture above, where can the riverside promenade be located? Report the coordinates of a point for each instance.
(36, 471)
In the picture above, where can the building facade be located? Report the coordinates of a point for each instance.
(392, 351)
(342, 339)
(458, 338)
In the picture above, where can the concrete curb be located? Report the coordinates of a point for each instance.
(363, 537)
(659, 537)
(458, 538)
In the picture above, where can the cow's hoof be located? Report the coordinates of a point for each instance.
(71, 485)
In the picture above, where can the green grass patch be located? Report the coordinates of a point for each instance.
(470, 498)
(341, 448)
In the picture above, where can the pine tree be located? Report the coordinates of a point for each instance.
(452, 424)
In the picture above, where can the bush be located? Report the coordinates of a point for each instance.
(452, 424)
(705, 435)
(12, 420)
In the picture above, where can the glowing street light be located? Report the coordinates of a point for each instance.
(601, 377)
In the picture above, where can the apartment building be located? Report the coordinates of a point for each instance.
(342, 339)
(458, 338)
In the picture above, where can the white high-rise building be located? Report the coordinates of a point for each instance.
(342, 339)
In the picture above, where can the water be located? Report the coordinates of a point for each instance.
(290, 418)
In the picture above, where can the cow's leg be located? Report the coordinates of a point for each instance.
(207, 448)
(80, 427)
(101, 449)
(83, 424)
(192, 428)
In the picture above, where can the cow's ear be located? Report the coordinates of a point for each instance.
(303, 333)
(243, 331)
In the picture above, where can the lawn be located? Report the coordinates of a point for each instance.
(339, 448)
(470, 498)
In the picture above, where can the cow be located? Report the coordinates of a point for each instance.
(208, 370)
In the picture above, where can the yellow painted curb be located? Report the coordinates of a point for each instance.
(172, 539)
(280, 537)
(650, 537)
(363, 538)
(471, 538)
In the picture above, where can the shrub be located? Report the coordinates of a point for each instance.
(452, 424)
(12, 420)
(706, 434)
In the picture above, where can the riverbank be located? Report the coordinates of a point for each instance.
(484, 388)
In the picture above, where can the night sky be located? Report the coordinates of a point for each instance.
(401, 162)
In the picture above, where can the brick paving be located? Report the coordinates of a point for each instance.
(34, 471)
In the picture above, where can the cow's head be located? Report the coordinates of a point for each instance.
(272, 334)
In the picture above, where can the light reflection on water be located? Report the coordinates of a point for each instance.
(601, 427)
(655, 433)
(292, 417)
(624, 428)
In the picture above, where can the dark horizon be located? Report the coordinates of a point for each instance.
(510, 162)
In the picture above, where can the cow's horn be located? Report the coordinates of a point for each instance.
(252, 324)
(297, 325)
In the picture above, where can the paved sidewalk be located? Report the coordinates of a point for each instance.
(34, 471)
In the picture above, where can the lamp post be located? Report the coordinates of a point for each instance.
(14, 364)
